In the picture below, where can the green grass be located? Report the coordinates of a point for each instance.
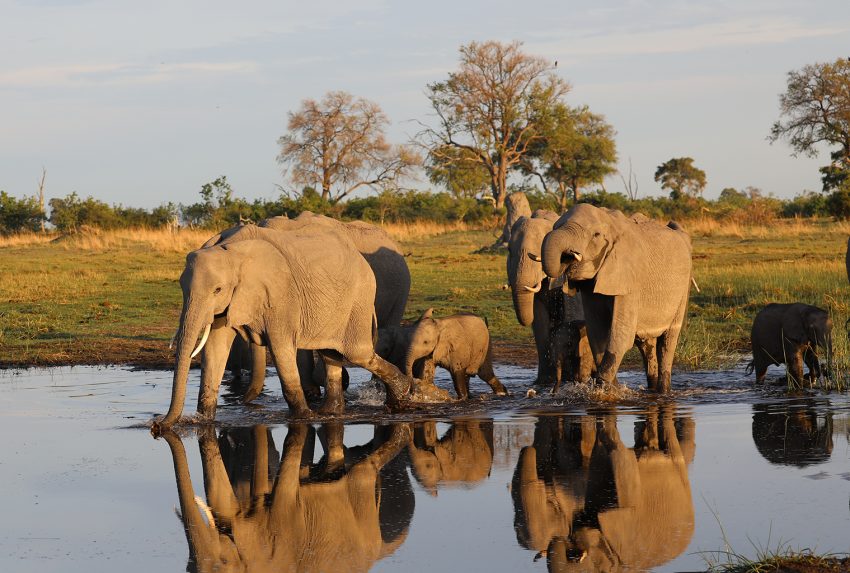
(117, 300)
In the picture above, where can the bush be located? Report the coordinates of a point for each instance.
(19, 214)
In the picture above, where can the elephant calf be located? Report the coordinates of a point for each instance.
(790, 334)
(459, 343)
(571, 353)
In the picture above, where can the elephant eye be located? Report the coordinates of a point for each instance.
(597, 234)
(217, 290)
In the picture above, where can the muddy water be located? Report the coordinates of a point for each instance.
(500, 485)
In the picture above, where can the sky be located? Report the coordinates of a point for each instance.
(141, 103)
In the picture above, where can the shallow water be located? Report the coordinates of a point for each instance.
(520, 484)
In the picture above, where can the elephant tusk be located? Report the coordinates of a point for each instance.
(203, 341)
(206, 510)
(577, 256)
(535, 258)
(696, 286)
(173, 338)
(535, 288)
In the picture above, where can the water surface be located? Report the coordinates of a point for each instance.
(500, 485)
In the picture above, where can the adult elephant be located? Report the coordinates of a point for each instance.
(587, 502)
(308, 290)
(796, 433)
(392, 280)
(535, 304)
(272, 519)
(633, 275)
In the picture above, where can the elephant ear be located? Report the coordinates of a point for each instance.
(616, 275)
(249, 297)
(427, 314)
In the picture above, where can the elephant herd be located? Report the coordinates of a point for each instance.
(355, 505)
(320, 294)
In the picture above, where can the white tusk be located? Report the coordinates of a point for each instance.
(696, 286)
(203, 341)
(577, 256)
(535, 288)
(206, 509)
(173, 338)
(535, 258)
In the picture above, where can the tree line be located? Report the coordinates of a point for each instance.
(501, 123)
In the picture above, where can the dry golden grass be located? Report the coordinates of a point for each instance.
(422, 229)
(89, 239)
(733, 228)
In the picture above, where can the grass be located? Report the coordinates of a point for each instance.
(783, 559)
(100, 297)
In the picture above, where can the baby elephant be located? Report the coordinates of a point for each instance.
(571, 353)
(790, 334)
(459, 343)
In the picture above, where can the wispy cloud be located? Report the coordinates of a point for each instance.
(686, 38)
(117, 73)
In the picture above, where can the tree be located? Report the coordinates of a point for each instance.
(816, 110)
(575, 149)
(487, 108)
(23, 214)
(457, 170)
(681, 177)
(338, 145)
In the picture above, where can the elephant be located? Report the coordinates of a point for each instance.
(796, 433)
(265, 515)
(516, 205)
(634, 276)
(790, 334)
(392, 344)
(535, 304)
(309, 290)
(462, 457)
(392, 278)
(586, 502)
(459, 343)
(571, 353)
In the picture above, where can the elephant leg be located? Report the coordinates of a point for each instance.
(260, 484)
(307, 372)
(667, 347)
(331, 435)
(541, 326)
(794, 356)
(219, 492)
(810, 357)
(460, 379)
(258, 373)
(646, 431)
(334, 400)
(398, 385)
(485, 372)
(650, 362)
(213, 361)
(290, 381)
(621, 338)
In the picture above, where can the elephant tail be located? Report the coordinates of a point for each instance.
(750, 367)
(374, 329)
(487, 322)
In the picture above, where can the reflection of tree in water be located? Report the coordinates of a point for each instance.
(462, 457)
(796, 433)
(587, 502)
(343, 513)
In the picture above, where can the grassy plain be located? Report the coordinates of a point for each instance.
(113, 297)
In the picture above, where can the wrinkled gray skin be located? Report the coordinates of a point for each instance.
(790, 334)
(459, 343)
(392, 344)
(535, 304)
(289, 290)
(517, 206)
(571, 353)
(633, 275)
(392, 279)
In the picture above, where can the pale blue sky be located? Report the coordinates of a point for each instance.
(143, 102)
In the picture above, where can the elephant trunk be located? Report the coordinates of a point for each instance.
(557, 244)
(191, 325)
(523, 305)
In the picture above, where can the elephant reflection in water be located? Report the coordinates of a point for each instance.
(344, 513)
(797, 433)
(463, 456)
(587, 502)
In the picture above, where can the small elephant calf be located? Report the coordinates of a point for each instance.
(392, 344)
(459, 343)
(571, 353)
(790, 334)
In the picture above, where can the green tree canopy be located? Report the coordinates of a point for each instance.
(487, 108)
(815, 110)
(681, 177)
(575, 149)
(458, 170)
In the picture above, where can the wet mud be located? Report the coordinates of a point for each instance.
(563, 482)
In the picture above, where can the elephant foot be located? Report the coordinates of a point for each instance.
(423, 391)
(332, 408)
(300, 413)
(251, 395)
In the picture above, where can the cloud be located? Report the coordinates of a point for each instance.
(117, 74)
(690, 38)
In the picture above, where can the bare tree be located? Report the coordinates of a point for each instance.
(630, 183)
(41, 196)
(487, 108)
(338, 145)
